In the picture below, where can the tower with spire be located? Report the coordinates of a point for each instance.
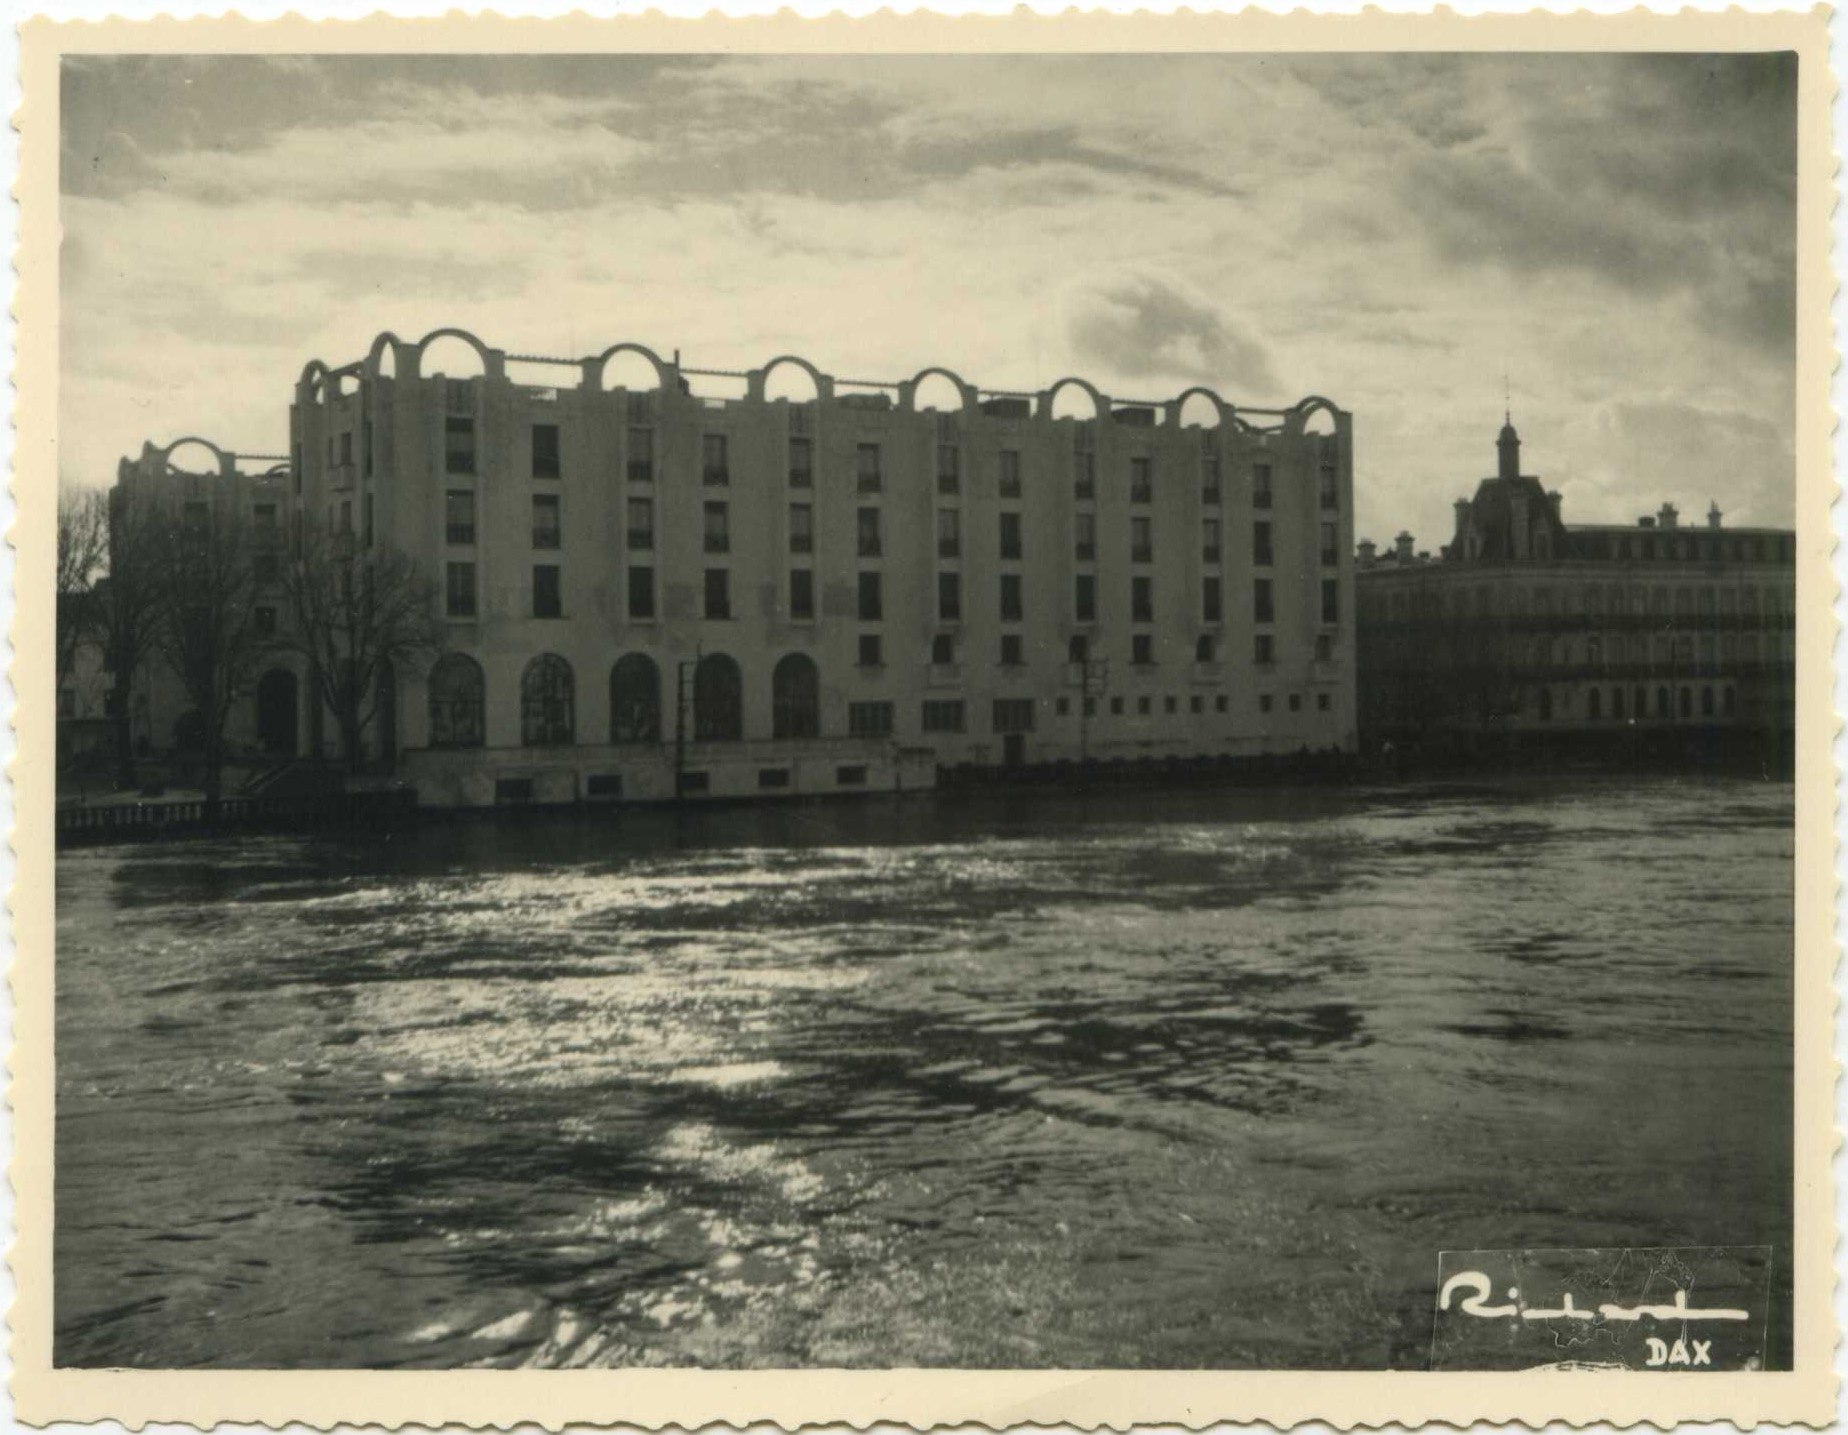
(1508, 445)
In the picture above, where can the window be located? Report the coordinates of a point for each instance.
(641, 593)
(869, 533)
(1262, 611)
(1013, 715)
(943, 649)
(718, 528)
(1196, 705)
(365, 508)
(718, 593)
(547, 702)
(1209, 540)
(1078, 650)
(1141, 540)
(944, 715)
(1141, 486)
(1220, 703)
(1212, 609)
(1084, 475)
(1321, 703)
(1260, 485)
(872, 598)
(461, 590)
(1329, 486)
(264, 618)
(801, 593)
(1204, 648)
(1209, 478)
(714, 459)
(1013, 652)
(949, 597)
(850, 776)
(1144, 706)
(295, 466)
(641, 523)
(263, 520)
(1264, 702)
(1324, 648)
(1010, 598)
(1296, 702)
(346, 517)
(718, 700)
(548, 602)
(1331, 545)
(457, 692)
(949, 468)
(1331, 600)
(346, 449)
(1617, 704)
(545, 451)
(870, 477)
(265, 569)
(801, 463)
(1062, 706)
(458, 445)
(795, 697)
(801, 528)
(1261, 545)
(1729, 702)
(1085, 527)
(694, 782)
(1170, 705)
(869, 719)
(641, 455)
(773, 777)
(1010, 476)
(949, 533)
(1142, 649)
(635, 700)
(1087, 598)
(1010, 536)
(870, 656)
(545, 520)
(1265, 650)
(511, 791)
(1141, 600)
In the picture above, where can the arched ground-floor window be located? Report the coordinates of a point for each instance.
(547, 702)
(795, 691)
(1594, 705)
(457, 702)
(718, 700)
(635, 700)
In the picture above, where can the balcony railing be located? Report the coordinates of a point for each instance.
(801, 478)
(1087, 552)
(641, 470)
(1261, 498)
(641, 538)
(717, 477)
(1209, 555)
(870, 547)
(718, 543)
(461, 534)
(1142, 553)
(868, 483)
(1210, 496)
(545, 538)
(801, 543)
(1141, 493)
(1084, 489)
(949, 548)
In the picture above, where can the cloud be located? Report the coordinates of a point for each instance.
(1144, 328)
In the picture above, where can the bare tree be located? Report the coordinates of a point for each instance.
(130, 605)
(209, 631)
(356, 612)
(83, 544)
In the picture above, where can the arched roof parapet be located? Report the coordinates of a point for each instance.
(1099, 403)
(379, 346)
(1306, 409)
(663, 370)
(1179, 402)
(490, 359)
(760, 378)
(908, 391)
(226, 461)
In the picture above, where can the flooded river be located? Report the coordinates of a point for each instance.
(1186, 1079)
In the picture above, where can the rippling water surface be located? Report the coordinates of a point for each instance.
(1182, 1080)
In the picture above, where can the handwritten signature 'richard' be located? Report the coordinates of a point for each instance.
(1482, 1289)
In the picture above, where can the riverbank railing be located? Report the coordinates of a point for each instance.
(142, 821)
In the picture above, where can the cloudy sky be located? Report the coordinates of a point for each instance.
(1616, 234)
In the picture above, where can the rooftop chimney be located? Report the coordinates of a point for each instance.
(1367, 552)
(1554, 498)
(1713, 515)
(1667, 517)
(1402, 548)
(1645, 522)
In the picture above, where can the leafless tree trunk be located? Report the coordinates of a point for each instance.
(356, 612)
(83, 546)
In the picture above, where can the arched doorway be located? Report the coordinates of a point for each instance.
(278, 713)
(548, 703)
(795, 690)
(718, 700)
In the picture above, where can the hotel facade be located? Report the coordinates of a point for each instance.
(651, 591)
(1585, 633)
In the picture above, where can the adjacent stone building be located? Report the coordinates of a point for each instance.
(1584, 632)
(848, 586)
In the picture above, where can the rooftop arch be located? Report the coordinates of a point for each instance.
(1051, 401)
(1215, 405)
(436, 336)
(221, 460)
(1306, 411)
(915, 389)
(819, 382)
(610, 355)
(382, 357)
